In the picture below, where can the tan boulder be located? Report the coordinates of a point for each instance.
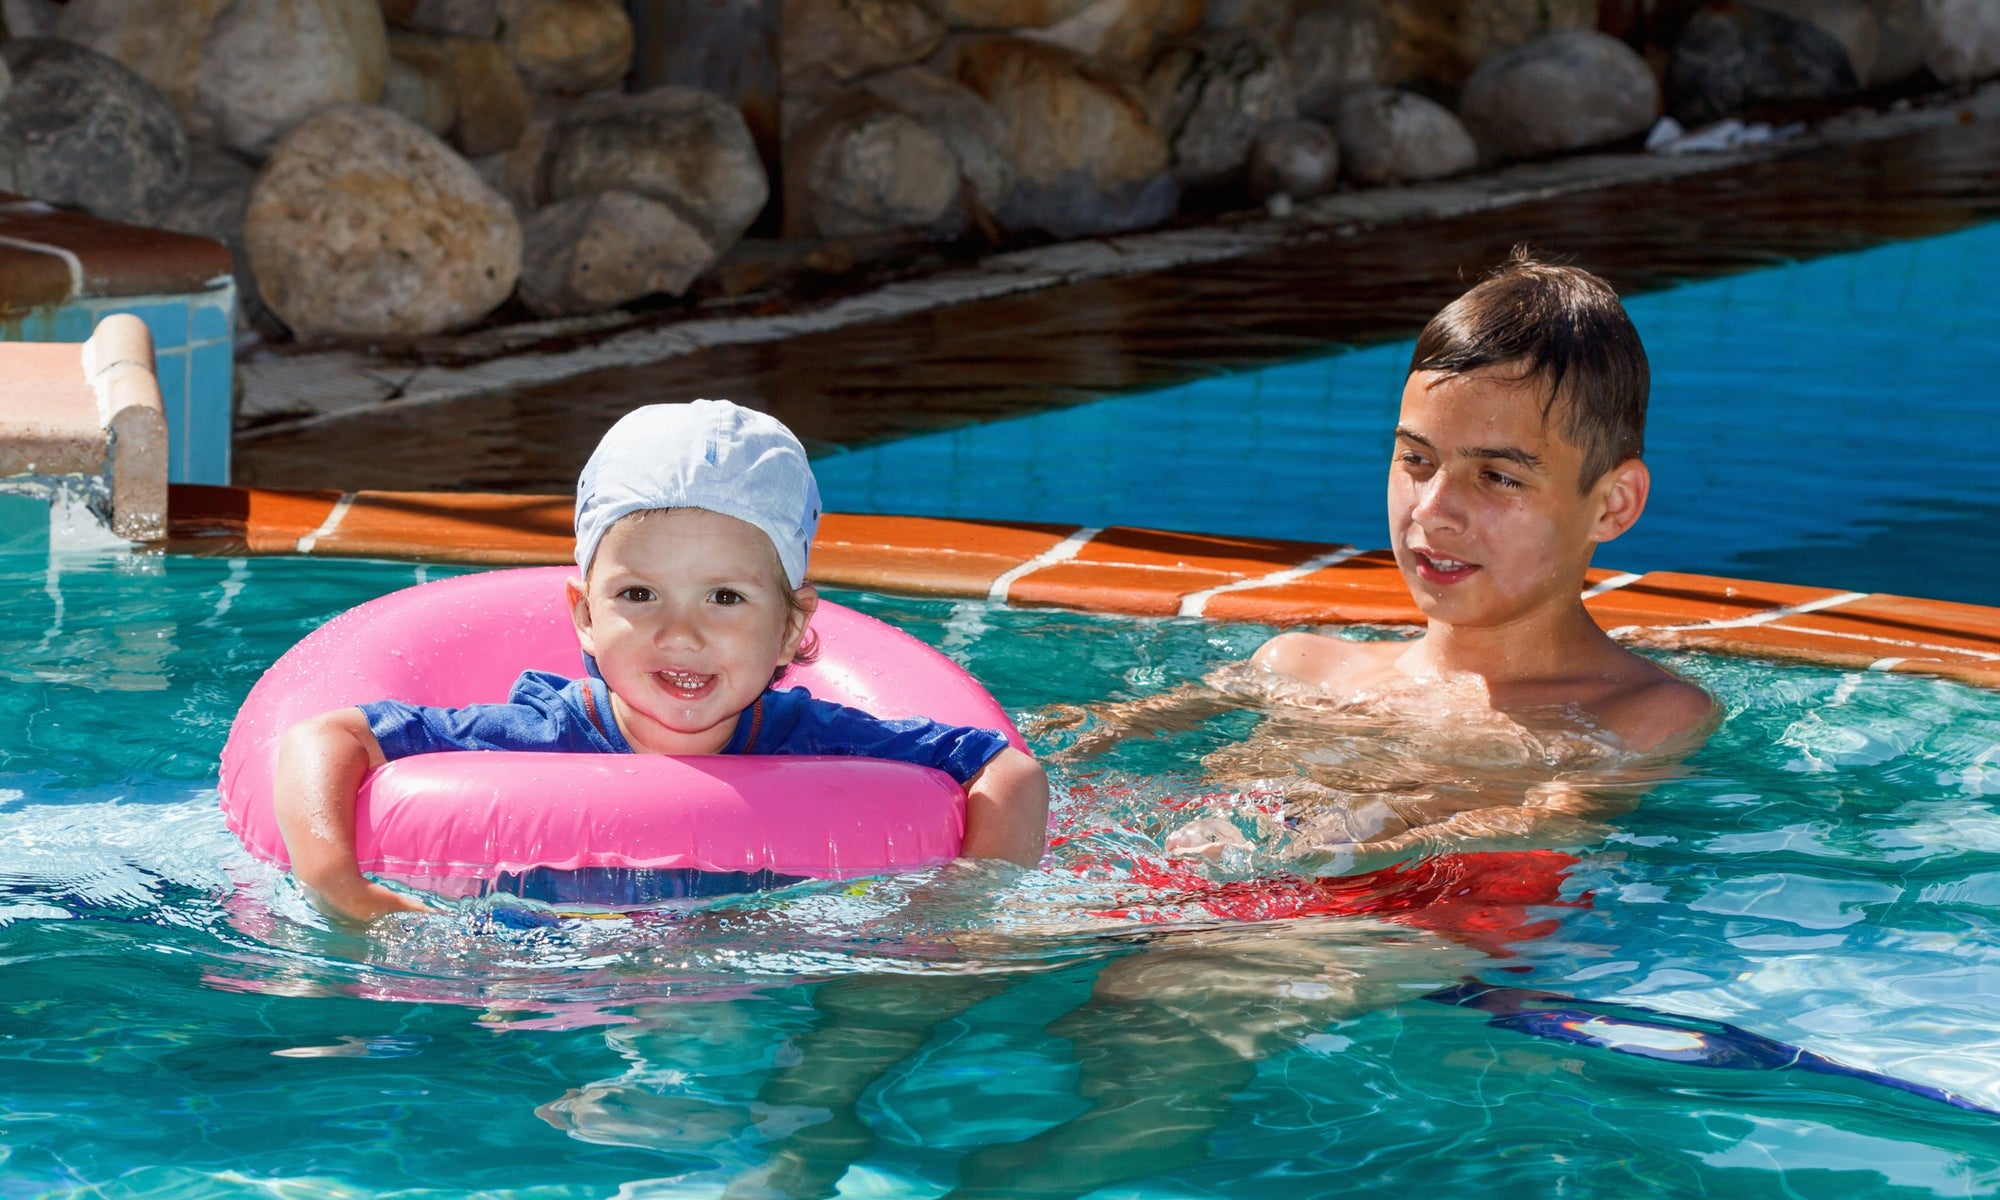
(828, 42)
(1443, 40)
(861, 168)
(1087, 158)
(418, 82)
(1388, 136)
(1006, 14)
(1566, 90)
(961, 118)
(1210, 95)
(683, 147)
(602, 251)
(571, 46)
(365, 225)
(493, 103)
(268, 64)
(1121, 32)
(1336, 45)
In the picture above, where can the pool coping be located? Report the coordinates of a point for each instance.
(1117, 570)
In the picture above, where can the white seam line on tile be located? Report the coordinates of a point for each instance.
(1610, 585)
(1062, 551)
(69, 258)
(1759, 618)
(1886, 664)
(1900, 643)
(1193, 604)
(326, 527)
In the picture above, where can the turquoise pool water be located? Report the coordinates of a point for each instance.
(1826, 423)
(174, 1022)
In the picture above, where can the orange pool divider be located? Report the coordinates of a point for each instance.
(1135, 572)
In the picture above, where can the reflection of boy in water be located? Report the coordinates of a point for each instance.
(1516, 453)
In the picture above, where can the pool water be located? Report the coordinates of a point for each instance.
(174, 1021)
(1825, 423)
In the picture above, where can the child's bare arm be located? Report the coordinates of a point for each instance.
(1007, 810)
(321, 764)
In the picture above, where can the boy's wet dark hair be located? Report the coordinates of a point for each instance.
(1566, 326)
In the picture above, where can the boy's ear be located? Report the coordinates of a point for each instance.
(1621, 498)
(807, 597)
(579, 613)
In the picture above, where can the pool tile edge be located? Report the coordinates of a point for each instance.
(1133, 572)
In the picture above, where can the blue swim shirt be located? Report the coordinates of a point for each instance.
(545, 711)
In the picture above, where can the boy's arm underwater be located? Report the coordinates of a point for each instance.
(1007, 809)
(321, 764)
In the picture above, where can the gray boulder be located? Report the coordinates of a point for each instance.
(1210, 95)
(600, 252)
(1334, 46)
(1389, 136)
(1087, 158)
(683, 147)
(160, 40)
(1962, 40)
(365, 225)
(266, 65)
(1737, 57)
(956, 114)
(85, 131)
(862, 168)
(1563, 91)
(829, 42)
(1296, 158)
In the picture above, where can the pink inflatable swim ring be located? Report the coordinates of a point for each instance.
(454, 823)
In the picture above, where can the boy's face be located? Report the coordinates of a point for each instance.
(687, 613)
(1485, 515)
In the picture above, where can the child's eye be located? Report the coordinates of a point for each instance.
(636, 594)
(1411, 458)
(725, 596)
(1505, 481)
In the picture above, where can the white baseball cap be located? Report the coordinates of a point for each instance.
(708, 454)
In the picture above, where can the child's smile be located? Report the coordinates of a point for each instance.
(688, 615)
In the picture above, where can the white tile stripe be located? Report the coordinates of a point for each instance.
(1900, 643)
(1062, 551)
(327, 526)
(1610, 585)
(1194, 603)
(1761, 618)
(70, 260)
(1886, 664)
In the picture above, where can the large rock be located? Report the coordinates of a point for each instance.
(445, 18)
(1962, 42)
(266, 65)
(597, 253)
(958, 115)
(1389, 136)
(1296, 158)
(161, 40)
(1337, 45)
(364, 225)
(1732, 57)
(1443, 40)
(1210, 95)
(1087, 158)
(1563, 91)
(85, 131)
(571, 46)
(493, 103)
(423, 96)
(1121, 32)
(828, 42)
(1006, 14)
(29, 18)
(862, 168)
(683, 147)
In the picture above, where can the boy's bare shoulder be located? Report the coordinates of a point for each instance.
(1314, 658)
(1651, 708)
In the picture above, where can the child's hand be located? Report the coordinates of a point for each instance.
(1007, 810)
(1209, 837)
(321, 764)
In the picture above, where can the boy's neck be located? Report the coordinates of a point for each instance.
(1544, 646)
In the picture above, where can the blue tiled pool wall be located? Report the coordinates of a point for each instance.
(1832, 422)
(194, 352)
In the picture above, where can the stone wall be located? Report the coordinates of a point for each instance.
(387, 169)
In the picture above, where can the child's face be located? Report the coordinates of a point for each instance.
(687, 613)
(1485, 515)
